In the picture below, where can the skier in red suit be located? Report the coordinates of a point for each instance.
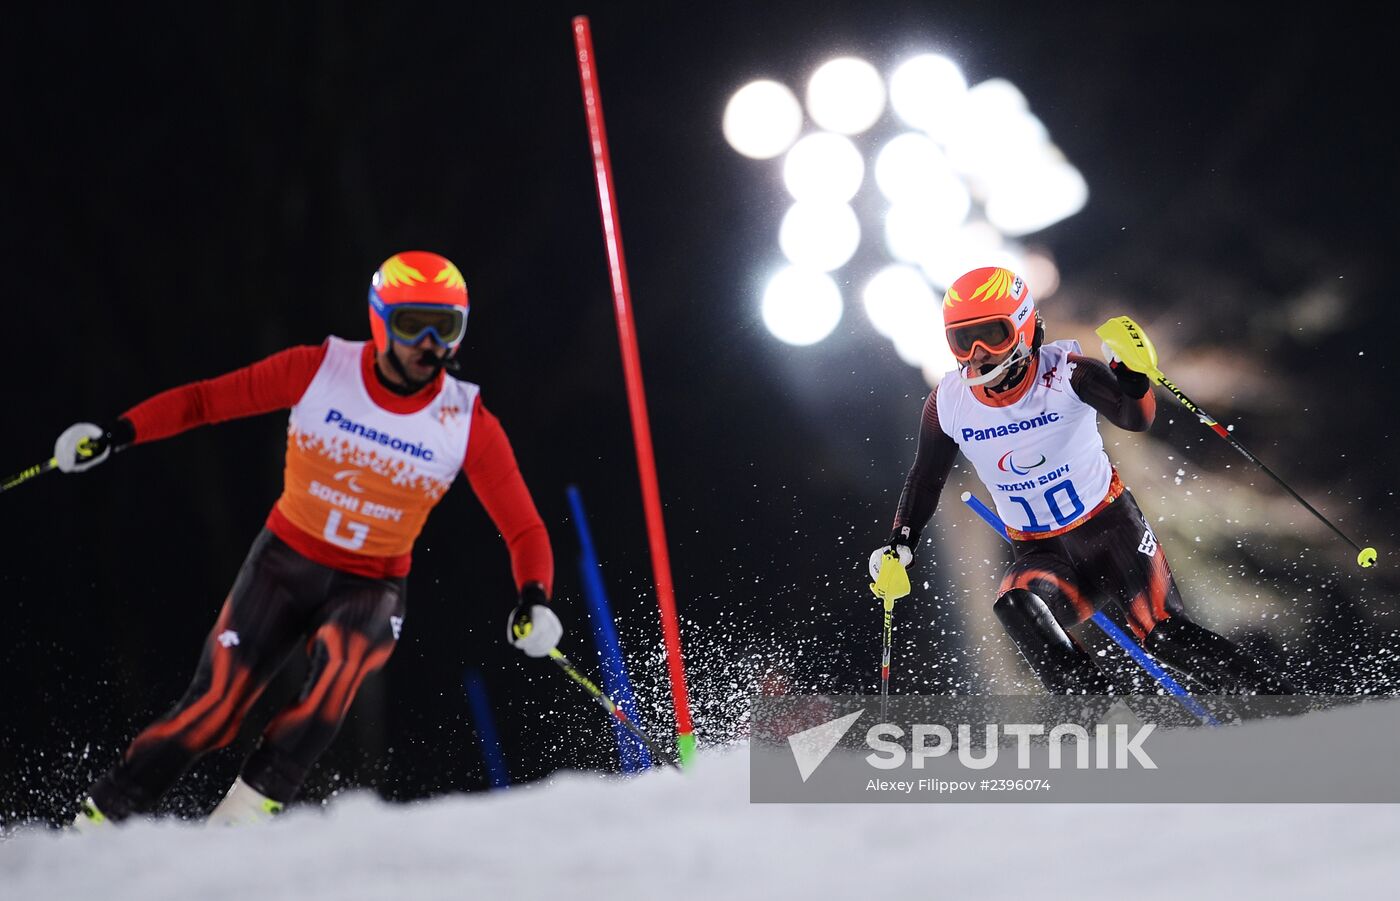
(377, 433)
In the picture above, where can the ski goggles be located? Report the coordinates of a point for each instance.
(409, 322)
(997, 334)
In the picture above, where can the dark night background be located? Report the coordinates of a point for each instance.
(188, 190)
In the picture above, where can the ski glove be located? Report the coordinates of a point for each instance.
(901, 542)
(1134, 384)
(84, 445)
(533, 627)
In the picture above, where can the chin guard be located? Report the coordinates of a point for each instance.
(1020, 354)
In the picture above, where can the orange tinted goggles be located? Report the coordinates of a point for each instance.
(996, 334)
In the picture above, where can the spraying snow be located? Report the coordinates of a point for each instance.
(667, 833)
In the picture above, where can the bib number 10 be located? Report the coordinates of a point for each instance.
(1063, 502)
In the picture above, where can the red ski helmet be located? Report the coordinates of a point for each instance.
(416, 293)
(992, 307)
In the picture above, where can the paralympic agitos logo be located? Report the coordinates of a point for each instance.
(1008, 463)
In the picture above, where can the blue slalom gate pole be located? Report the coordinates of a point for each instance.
(486, 729)
(632, 754)
(1109, 628)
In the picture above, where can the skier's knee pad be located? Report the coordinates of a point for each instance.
(1061, 666)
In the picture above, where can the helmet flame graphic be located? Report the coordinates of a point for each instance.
(449, 276)
(396, 271)
(998, 285)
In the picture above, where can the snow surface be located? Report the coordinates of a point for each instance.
(666, 834)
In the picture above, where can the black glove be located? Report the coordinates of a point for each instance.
(1134, 384)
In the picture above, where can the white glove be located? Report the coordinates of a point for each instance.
(1109, 356)
(81, 447)
(906, 557)
(533, 628)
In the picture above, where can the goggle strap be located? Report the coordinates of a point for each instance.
(1026, 308)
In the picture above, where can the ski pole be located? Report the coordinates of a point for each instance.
(1135, 349)
(657, 752)
(87, 447)
(1109, 627)
(37, 469)
(891, 585)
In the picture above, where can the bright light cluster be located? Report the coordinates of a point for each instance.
(965, 172)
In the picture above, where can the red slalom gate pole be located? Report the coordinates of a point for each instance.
(636, 395)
